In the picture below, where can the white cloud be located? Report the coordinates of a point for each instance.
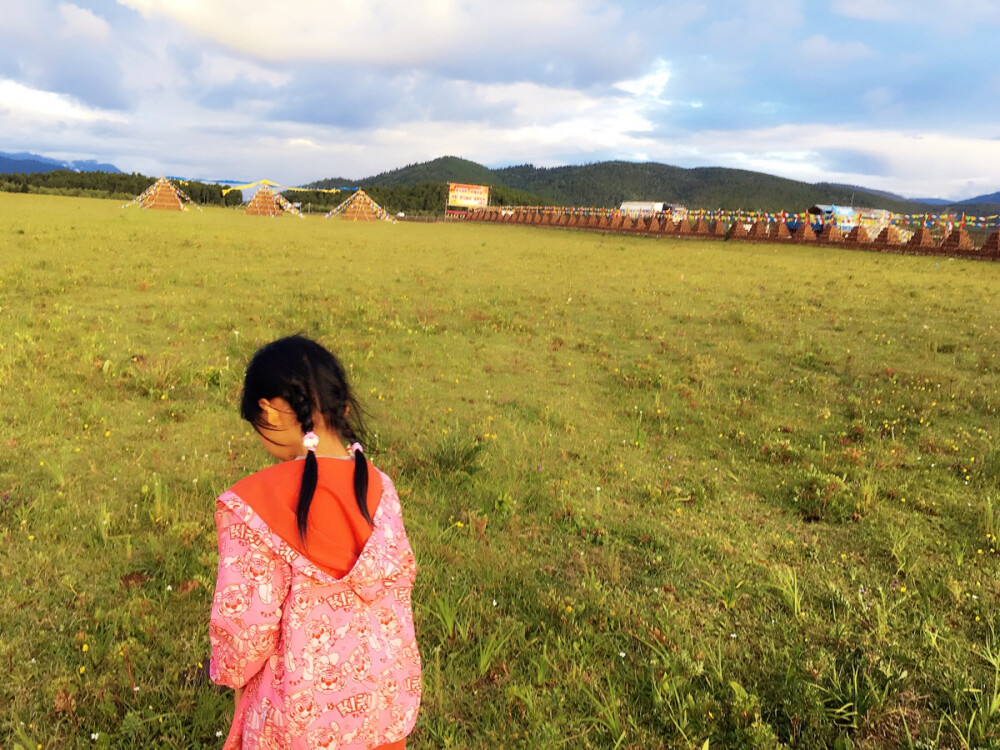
(753, 24)
(820, 49)
(951, 12)
(549, 120)
(546, 120)
(387, 32)
(651, 85)
(24, 19)
(918, 164)
(218, 69)
(870, 10)
(79, 22)
(878, 99)
(308, 143)
(150, 68)
(551, 126)
(29, 106)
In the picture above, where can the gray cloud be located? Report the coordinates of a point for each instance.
(850, 161)
(52, 50)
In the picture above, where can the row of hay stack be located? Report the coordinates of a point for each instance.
(921, 242)
(359, 206)
(957, 243)
(163, 195)
(611, 222)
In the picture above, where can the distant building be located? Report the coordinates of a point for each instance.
(646, 208)
(843, 217)
(846, 217)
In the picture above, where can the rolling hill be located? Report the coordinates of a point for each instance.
(992, 199)
(27, 163)
(610, 183)
(605, 184)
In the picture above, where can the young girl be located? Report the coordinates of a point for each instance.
(311, 622)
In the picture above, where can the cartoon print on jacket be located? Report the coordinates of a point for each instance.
(326, 662)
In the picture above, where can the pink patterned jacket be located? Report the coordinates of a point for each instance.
(327, 662)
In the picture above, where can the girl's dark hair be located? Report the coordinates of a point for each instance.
(311, 380)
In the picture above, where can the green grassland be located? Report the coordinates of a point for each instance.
(661, 492)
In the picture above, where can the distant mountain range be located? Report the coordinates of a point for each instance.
(31, 163)
(606, 184)
(990, 199)
(612, 182)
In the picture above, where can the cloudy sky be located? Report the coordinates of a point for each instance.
(902, 95)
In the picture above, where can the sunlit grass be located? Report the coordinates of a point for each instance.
(660, 491)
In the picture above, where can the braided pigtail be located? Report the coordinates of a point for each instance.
(347, 417)
(310, 468)
(360, 478)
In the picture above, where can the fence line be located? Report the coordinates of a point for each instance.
(732, 226)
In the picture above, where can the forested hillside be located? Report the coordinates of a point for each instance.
(610, 183)
(422, 188)
(442, 170)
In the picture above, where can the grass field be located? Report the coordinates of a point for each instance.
(661, 492)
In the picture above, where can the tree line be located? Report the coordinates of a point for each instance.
(422, 199)
(117, 185)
